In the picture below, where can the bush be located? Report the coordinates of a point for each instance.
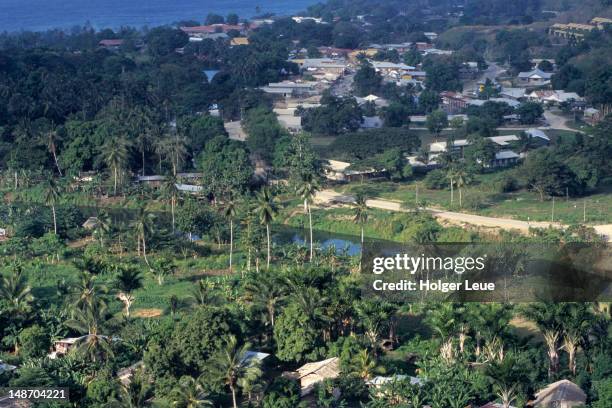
(35, 342)
(436, 179)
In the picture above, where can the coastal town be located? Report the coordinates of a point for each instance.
(190, 214)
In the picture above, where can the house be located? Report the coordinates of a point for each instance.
(571, 30)
(3, 234)
(337, 170)
(125, 374)
(553, 97)
(504, 158)
(431, 36)
(325, 65)
(379, 381)
(333, 52)
(513, 93)
(62, 347)
(391, 69)
(153, 181)
(592, 116)
(561, 394)
(479, 102)
(111, 44)
(289, 88)
(254, 355)
(209, 36)
(5, 368)
(539, 135)
(601, 22)
(200, 31)
(453, 102)
(90, 223)
(311, 374)
(239, 41)
(300, 19)
(495, 405)
(535, 77)
(189, 188)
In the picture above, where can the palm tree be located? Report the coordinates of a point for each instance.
(363, 365)
(143, 227)
(266, 290)
(170, 190)
(266, 210)
(450, 175)
(173, 148)
(190, 394)
(307, 191)
(51, 138)
(136, 393)
(127, 281)
(52, 196)
(88, 321)
(203, 293)
(361, 217)
(103, 227)
(114, 153)
(231, 364)
(15, 290)
(462, 178)
(230, 211)
(87, 293)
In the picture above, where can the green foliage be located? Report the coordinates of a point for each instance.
(367, 81)
(34, 341)
(362, 145)
(336, 116)
(296, 337)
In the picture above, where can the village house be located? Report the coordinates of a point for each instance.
(111, 44)
(290, 88)
(300, 19)
(592, 116)
(324, 65)
(333, 52)
(311, 374)
(91, 223)
(237, 41)
(513, 93)
(561, 394)
(340, 171)
(570, 30)
(392, 69)
(431, 36)
(209, 36)
(535, 77)
(552, 97)
(3, 234)
(125, 374)
(503, 157)
(202, 31)
(453, 102)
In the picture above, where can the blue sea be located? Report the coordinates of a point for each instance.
(40, 15)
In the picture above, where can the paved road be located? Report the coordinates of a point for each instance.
(330, 197)
(557, 121)
(492, 72)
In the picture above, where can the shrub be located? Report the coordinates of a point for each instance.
(436, 179)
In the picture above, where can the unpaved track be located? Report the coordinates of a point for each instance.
(331, 197)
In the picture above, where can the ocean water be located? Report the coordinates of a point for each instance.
(40, 15)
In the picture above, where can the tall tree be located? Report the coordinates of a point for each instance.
(52, 197)
(170, 190)
(266, 210)
(361, 217)
(144, 226)
(230, 211)
(114, 153)
(307, 191)
(231, 364)
(128, 280)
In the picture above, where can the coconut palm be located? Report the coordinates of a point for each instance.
(451, 176)
(170, 191)
(87, 293)
(231, 364)
(51, 138)
(102, 227)
(267, 291)
(462, 178)
(136, 393)
(143, 227)
(114, 153)
(230, 211)
(203, 293)
(15, 291)
(363, 365)
(128, 280)
(307, 190)
(361, 217)
(88, 321)
(190, 394)
(172, 148)
(266, 210)
(52, 197)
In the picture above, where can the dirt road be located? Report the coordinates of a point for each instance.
(331, 197)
